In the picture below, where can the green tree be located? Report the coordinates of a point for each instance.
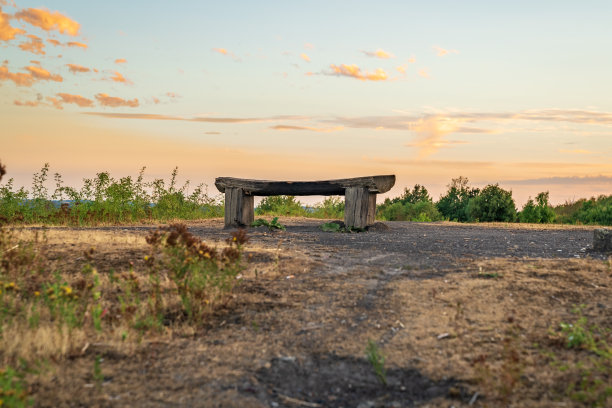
(492, 204)
(453, 205)
(280, 205)
(539, 211)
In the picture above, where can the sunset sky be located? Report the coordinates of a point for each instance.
(516, 93)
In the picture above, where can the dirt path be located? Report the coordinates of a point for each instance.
(296, 331)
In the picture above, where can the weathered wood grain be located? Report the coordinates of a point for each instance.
(239, 208)
(357, 207)
(374, 184)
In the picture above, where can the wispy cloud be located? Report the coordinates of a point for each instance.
(379, 53)
(76, 44)
(42, 74)
(153, 116)
(423, 73)
(222, 51)
(305, 57)
(74, 68)
(120, 61)
(117, 77)
(53, 41)
(115, 102)
(580, 181)
(355, 72)
(35, 45)
(441, 52)
(308, 128)
(49, 21)
(29, 104)
(7, 32)
(76, 99)
(309, 46)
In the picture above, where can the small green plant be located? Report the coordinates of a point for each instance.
(12, 389)
(98, 377)
(377, 361)
(272, 225)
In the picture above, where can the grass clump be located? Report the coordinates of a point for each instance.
(281, 205)
(104, 199)
(377, 361)
(272, 225)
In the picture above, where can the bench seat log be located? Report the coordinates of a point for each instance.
(360, 196)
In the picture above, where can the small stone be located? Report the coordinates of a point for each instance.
(602, 240)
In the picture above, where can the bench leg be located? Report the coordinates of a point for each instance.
(239, 208)
(359, 207)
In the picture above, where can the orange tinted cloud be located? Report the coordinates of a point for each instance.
(49, 21)
(43, 75)
(310, 128)
(423, 73)
(120, 61)
(56, 102)
(7, 32)
(442, 52)
(35, 45)
(74, 68)
(117, 77)
(221, 51)
(114, 101)
(53, 41)
(305, 57)
(355, 72)
(76, 99)
(19, 78)
(76, 44)
(309, 46)
(379, 53)
(29, 104)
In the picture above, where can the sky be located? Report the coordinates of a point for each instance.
(516, 93)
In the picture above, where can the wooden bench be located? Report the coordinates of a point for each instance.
(360, 196)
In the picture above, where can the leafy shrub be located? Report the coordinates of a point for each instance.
(492, 204)
(541, 212)
(454, 204)
(272, 225)
(412, 205)
(331, 207)
(596, 211)
(280, 205)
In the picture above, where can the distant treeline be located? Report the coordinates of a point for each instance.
(104, 199)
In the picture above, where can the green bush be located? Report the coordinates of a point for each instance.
(454, 204)
(331, 207)
(105, 199)
(492, 204)
(595, 211)
(540, 213)
(280, 205)
(422, 211)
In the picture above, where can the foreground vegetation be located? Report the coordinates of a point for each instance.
(104, 199)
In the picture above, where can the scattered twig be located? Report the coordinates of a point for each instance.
(299, 402)
(473, 399)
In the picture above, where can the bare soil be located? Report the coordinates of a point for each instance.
(466, 315)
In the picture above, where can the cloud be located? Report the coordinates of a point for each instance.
(441, 52)
(76, 44)
(114, 101)
(309, 128)
(57, 103)
(7, 32)
(74, 68)
(355, 72)
(120, 61)
(49, 21)
(212, 133)
(153, 116)
(423, 73)
(379, 53)
(35, 45)
(29, 104)
(19, 78)
(305, 57)
(76, 99)
(309, 46)
(172, 95)
(43, 75)
(221, 51)
(117, 77)
(402, 69)
(53, 41)
(564, 180)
